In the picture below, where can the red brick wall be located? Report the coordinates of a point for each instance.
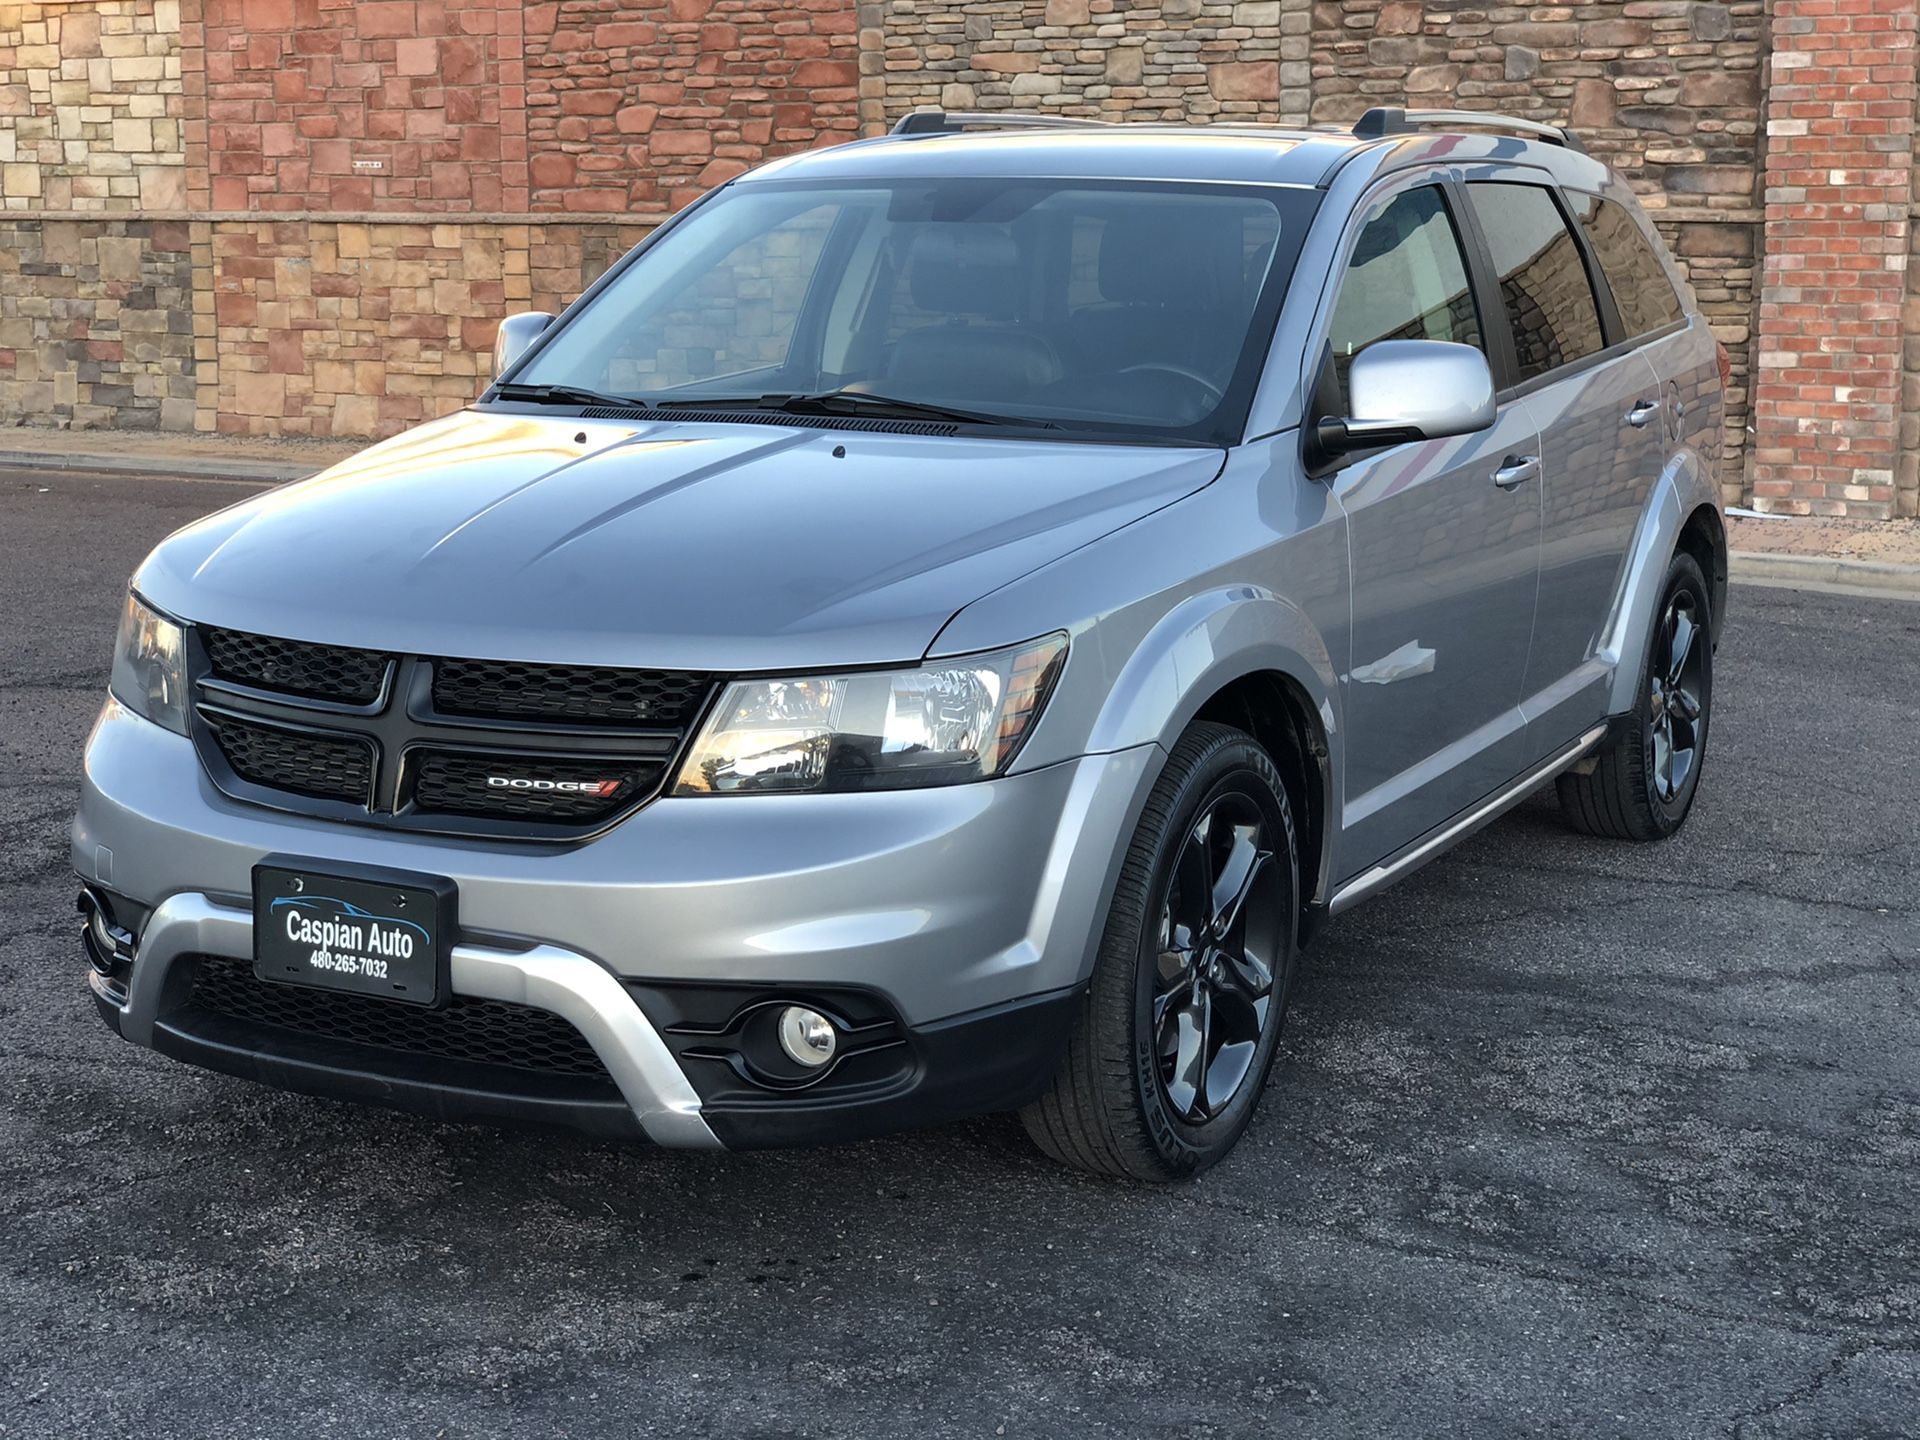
(331, 113)
(1839, 177)
(379, 105)
(643, 104)
(599, 106)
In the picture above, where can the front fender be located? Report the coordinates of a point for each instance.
(1683, 487)
(1245, 577)
(1202, 645)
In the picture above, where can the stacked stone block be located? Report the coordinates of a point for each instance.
(1175, 60)
(640, 105)
(96, 323)
(368, 327)
(91, 106)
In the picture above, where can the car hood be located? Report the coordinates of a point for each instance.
(698, 546)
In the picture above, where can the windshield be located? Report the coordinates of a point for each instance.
(1079, 305)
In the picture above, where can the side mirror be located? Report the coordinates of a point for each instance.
(517, 334)
(1404, 390)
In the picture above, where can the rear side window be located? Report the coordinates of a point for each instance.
(1543, 281)
(1406, 281)
(1641, 289)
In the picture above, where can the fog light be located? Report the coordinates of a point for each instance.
(807, 1036)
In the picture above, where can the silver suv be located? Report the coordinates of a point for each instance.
(934, 630)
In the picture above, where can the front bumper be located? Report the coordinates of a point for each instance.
(968, 913)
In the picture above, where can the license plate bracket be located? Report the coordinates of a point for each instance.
(358, 929)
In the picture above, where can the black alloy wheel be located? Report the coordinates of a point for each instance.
(1220, 918)
(1182, 1016)
(1676, 696)
(1639, 782)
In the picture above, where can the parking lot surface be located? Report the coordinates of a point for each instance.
(1566, 1137)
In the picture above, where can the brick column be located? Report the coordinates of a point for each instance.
(1906, 476)
(1839, 178)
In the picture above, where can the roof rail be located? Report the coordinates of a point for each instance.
(1384, 120)
(952, 122)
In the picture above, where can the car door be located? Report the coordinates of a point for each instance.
(1444, 538)
(1598, 404)
(1643, 307)
(1652, 317)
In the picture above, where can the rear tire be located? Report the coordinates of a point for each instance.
(1182, 1020)
(1647, 769)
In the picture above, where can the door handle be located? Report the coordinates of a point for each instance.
(1641, 415)
(1517, 470)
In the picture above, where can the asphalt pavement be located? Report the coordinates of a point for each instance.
(1566, 1138)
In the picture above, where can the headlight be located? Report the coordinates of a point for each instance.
(149, 668)
(948, 722)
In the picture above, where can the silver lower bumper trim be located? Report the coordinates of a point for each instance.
(570, 985)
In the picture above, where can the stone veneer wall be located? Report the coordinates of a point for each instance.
(1140, 59)
(328, 205)
(91, 106)
(96, 322)
(380, 105)
(365, 328)
(640, 104)
(361, 186)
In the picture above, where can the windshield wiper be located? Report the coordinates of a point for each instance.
(831, 402)
(565, 395)
(852, 402)
(826, 402)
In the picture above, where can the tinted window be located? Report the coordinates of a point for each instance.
(737, 314)
(1632, 266)
(1088, 305)
(1549, 302)
(1406, 281)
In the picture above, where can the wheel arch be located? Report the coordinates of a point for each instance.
(1243, 656)
(1704, 536)
(1275, 709)
(1682, 513)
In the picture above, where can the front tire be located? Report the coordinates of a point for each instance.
(1182, 1020)
(1647, 771)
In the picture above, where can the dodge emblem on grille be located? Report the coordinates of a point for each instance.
(602, 788)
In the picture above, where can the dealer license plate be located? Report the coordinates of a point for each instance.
(360, 929)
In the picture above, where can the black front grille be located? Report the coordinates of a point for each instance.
(482, 1032)
(461, 784)
(499, 748)
(324, 766)
(323, 672)
(581, 694)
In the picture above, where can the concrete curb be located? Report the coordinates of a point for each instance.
(1824, 572)
(184, 467)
